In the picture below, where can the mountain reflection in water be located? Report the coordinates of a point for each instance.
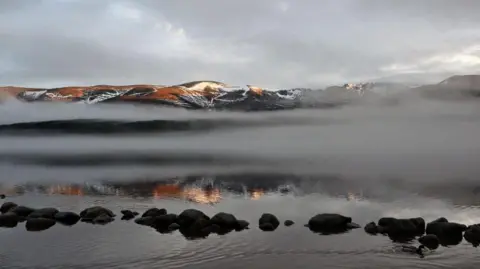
(211, 189)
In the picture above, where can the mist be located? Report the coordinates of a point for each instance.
(418, 139)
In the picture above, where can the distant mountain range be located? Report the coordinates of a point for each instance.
(218, 95)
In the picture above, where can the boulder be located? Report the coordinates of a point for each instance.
(288, 223)
(89, 214)
(472, 235)
(449, 233)
(47, 213)
(371, 228)
(431, 241)
(224, 220)
(6, 207)
(241, 225)
(268, 222)
(189, 216)
(331, 223)
(21, 211)
(154, 212)
(67, 218)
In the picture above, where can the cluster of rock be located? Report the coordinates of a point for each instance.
(430, 235)
(193, 223)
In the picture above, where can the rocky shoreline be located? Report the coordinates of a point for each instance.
(195, 224)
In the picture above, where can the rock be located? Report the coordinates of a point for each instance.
(128, 214)
(164, 221)
(47, 213)
(173, 227)
(67, 218)
(449, 233)
(39, 224)
(268, 222)
(200, 228)
(154, 212)
(288, 223)
(330, 223)
(7, 206)
(472, 235)
(401, 229)
(189, 216)
(224, 220)
(431, 241)
(241, 225)
(89, 214)
(9, 220)
(146, 221)
(3, 196)
(371, 228)
(103, 219)
(21, 211)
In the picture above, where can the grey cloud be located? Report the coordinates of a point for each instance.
(307, 43)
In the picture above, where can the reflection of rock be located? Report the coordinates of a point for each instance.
(9, 220)
(327, 223)
(39, 224)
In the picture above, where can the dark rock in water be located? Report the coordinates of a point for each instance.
(200, 228)
(431, 241)
(328, 223)
(7, 206)
(103, 219)
(146, 221)
(9, 220)
(67, 218)
(39, 224)
(401, 230)
(449, 233)
(21, 211)
(128, 214)
(189, 216)
(241, 225)
(3, 196)
(472, 235)
(288, 223)
(267, 227)
(173, 227)
(224, 220)
(371, 228)
(268, 222)
(89, 214)
(47, 213)
(164, 221)
(154, 212)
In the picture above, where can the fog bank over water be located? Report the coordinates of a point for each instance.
(426, 138)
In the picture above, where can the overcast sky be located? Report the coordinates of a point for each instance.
(270, 43)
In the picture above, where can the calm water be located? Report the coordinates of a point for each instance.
(415, 159)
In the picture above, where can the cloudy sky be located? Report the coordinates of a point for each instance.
(271, 43)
